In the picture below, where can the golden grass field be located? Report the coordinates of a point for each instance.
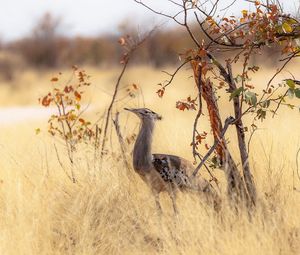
(110, 210)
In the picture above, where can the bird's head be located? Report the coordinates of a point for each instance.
(145, 113)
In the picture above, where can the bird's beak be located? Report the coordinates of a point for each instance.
(130, 110)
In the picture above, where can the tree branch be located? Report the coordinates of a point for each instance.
(229, 121)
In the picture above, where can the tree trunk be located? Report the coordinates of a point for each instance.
(250, 185)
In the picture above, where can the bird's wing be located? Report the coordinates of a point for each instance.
(178, 170)
(172, 169)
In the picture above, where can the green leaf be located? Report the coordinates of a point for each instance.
(236, 93)
(290, 83)
(251, 98)
(287, 28)
(297, 93)
(238, 78)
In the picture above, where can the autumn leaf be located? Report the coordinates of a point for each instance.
(181, 106)
(160, 92)
(77, 96)
(135, 86)
(257, 3)
(46, 101)
(245, 13)
(82, 121)
(68, 89)
(287, 28)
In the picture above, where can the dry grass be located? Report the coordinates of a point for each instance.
(111, 211)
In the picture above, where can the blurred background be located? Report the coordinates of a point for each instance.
(55, 34)
(40, 38)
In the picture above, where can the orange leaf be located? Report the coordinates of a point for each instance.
(135, 86)
(68, 89)
(46, 101)
(77, 95)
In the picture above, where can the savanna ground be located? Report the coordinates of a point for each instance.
(110, 210)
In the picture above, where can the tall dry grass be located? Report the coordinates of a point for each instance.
(111, 211)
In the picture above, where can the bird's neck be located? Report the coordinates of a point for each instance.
(142, 157)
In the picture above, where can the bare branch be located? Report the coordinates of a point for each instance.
(185, 24)
(175, 3)
(172, 75)
(229, 121)
(159, 13)
(275, 75)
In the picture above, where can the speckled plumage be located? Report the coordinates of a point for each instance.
(171, 170)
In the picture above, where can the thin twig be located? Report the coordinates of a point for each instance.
(111, 105)
(72, 179)
(168, 82)
(158, 13)
(199, 87)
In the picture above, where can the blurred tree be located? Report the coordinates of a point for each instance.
(41, 48)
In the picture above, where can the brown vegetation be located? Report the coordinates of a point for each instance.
(54, 50)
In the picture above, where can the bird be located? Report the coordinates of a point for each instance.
(164, 172)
